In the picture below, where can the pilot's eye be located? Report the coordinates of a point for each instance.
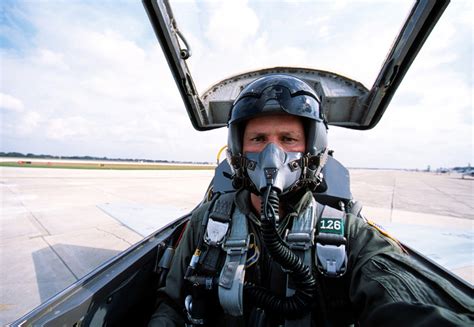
(258, 138)
(288, 139)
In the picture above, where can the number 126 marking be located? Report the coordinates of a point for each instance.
(331, 224)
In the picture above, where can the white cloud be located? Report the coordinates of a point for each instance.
(28, 124)
(46, 57)
(232, 24)
(10, 103)
(62, 128)
(109, 48)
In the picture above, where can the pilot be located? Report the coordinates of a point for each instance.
(269, 254)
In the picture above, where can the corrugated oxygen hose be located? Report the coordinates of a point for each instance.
(305, 284)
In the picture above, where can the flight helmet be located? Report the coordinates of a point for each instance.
(278, 94)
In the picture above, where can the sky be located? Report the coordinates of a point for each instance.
(89, 77)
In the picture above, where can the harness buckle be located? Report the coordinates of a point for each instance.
(332, 259)
(215, 232)
(233, 247)
(300, 241)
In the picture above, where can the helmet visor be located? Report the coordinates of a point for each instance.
(276, 99)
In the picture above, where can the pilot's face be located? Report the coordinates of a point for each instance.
(286, 131)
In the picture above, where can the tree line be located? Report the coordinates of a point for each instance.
(48, 156)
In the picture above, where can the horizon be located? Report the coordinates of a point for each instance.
(97, 158)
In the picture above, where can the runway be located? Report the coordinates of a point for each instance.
(59, 224)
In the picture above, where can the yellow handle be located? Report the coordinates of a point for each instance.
(219, 153)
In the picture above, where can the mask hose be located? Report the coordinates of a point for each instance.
(305, 284)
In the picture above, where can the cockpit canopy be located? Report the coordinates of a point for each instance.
(345, 102)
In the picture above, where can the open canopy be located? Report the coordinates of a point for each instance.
(345, 102)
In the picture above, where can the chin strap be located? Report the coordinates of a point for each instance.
(312, 169)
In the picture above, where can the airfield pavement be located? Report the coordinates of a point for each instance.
(54, 229)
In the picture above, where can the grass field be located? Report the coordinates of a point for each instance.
(103, 165)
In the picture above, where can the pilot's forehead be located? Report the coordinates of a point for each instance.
(274, 123)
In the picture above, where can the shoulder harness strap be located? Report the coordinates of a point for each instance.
(227, 229)
(301, 240)
(331, 243)
(219, 220)
(231, 280)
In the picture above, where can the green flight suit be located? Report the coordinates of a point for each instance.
(383, 286)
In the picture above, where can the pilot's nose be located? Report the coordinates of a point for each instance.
(274, 140)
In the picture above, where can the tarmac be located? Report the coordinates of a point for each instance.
(56, 225)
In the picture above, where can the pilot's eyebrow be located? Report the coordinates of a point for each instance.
(254, 134)
(292, 133)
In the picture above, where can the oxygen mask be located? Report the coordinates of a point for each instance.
(274, 168)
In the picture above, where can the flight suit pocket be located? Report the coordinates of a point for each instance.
(402, 283)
